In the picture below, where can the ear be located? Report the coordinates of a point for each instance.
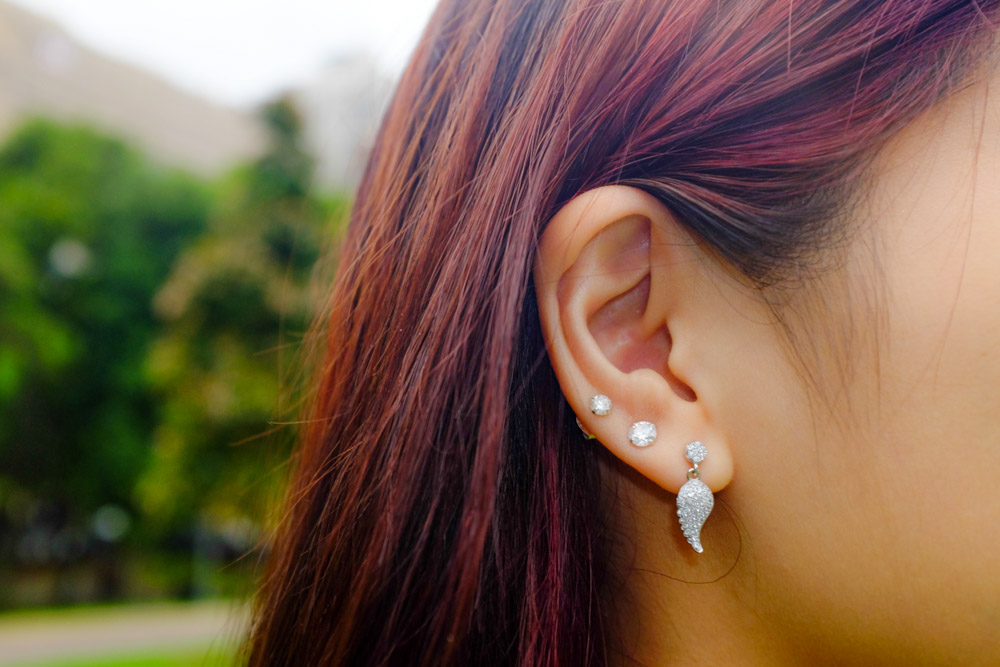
(624, 294)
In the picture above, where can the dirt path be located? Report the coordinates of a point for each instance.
(33, 637)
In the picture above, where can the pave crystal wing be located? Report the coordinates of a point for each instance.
(694, 503)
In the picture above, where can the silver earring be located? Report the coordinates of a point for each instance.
(600, 405)
(695, 499)
(586, 434)
(642, 434)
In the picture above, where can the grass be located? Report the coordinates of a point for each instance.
(91, 609)
(188, 657)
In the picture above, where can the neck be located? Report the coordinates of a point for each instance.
(671, 606)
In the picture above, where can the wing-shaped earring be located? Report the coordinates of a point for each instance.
(695, 500)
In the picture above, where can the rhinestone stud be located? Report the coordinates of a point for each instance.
(600, 404)
(695, 452)
(694, 500)
(642, 434)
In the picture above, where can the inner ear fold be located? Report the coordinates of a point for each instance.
(617, 329)
(610, 287)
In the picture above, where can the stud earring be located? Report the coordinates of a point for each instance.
(586, 434)
(695, 499)
(600, 405)
(642, 434)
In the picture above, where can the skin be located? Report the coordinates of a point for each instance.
(854, 449)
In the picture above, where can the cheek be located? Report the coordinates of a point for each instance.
(879, 521)
(928, 440)
(940, 410)
(934, 436)
(872, 509)
(940, 377)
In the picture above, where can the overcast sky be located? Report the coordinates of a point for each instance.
(239, 52)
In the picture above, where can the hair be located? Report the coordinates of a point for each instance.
(442, 511)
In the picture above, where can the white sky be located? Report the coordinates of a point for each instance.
(239, 52)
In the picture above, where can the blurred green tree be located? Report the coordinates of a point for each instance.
(89, 232)
(235, 307)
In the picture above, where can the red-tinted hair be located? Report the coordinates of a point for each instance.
(443, 510)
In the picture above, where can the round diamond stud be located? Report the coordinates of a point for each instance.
(695, 452)
(642, 434)
(600, 404)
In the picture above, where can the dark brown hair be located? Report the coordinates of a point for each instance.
(442, 511)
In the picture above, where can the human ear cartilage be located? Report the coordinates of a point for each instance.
(694, 500)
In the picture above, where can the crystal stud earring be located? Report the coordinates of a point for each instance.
(600, 405)
(695, 499)
(642, 434)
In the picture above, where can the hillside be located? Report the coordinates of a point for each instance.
(45, 71)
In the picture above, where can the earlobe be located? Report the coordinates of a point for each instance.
(616, 278)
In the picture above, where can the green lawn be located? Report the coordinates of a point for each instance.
(189, 657)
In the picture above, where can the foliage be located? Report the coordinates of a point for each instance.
(176, 657)
(149, 322)
(90, 230)
(235, 308)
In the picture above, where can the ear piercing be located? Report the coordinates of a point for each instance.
(642, 434)
(695, 499)
(600, 405)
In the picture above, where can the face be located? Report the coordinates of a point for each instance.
(875, 515)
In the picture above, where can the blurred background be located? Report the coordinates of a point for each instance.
(171, 175)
